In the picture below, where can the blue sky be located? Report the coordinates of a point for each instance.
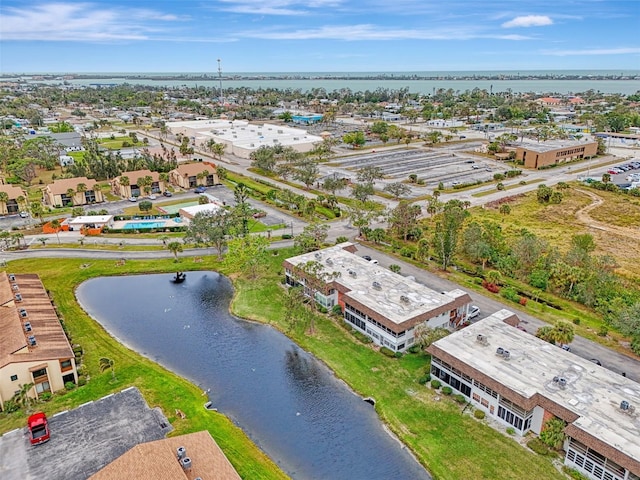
(317, 35)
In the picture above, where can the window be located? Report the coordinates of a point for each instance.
(39, 373)
(43, 387)
(14, 378)
(66, 365)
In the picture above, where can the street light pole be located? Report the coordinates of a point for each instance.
(291, 229)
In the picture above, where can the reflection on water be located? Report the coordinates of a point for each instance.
(289, 403)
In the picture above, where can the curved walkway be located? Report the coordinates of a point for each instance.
(583, 216)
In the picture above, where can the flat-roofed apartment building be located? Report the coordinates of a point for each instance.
(375, 301)
(550, 153)
(521, 382)
(33, 346)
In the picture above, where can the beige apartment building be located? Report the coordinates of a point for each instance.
(33, 346)
(72, 191)
(191, 175)
(12, 199)
(131, 184)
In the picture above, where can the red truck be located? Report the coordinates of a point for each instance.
(38, 428)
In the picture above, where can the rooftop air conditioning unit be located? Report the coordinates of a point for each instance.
(506, 355)
(23, 313)
(18, 297)
(499, 351)
(328, 261)
(181, 452)
(186, 463)
(15, 286)
(12, 277)
(352, 272)
(624, 405)
(404, 299)
(279, 131)
(482, 339)
(562, 382)
(377, 285)
(317, 255)
(27, 326)
(32, 340)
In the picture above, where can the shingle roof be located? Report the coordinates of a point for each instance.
(158, 461)
(135, 175)
(13, 191)
(58, 187)
(191, 169)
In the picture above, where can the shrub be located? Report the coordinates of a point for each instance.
(387, 352)
(511, 430)
(635, 344)
(573, 473)
(510, 293)
(337, 310)
(537, 446)
(414, 349)
(424, 379)
(576, 321)
(70, 386)
(523, 301)
(398, 354)
(436, 384)
(604, 331)
(82, 381)
(479, 414)
(395, 268)
(287, 236)
(447, 390)
(45, 396)
(492, 287)
(460, 398)
(341, 239)
(322, 309)
(11, 406)
(407, 252)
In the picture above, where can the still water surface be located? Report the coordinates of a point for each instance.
(288, 402)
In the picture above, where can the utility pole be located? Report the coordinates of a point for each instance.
(220, 80)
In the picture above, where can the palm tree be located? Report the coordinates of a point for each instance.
(43, 240)
(124, 181)
(108, 364)
(37, 210)
(22, 395)
(4, 198)
(175, 248)
(563, 333)
(22, 202)
(55, 224)
(71, 193)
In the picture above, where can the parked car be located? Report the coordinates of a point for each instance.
(612, 172)
(133, 199)
(566, 348)
(596, 361)
(200, 189)
(367, 258)
(474, 311)
(475, 167)
(259, 214)
(151, 197)
(167, 193)
(38, 428)
(24, 215)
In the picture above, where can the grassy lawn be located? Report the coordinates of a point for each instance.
(451, 444)
(116, 142)
(506, 187)
(159, 386)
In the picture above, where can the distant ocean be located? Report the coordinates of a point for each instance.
(539, 81)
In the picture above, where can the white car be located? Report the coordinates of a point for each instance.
(474, 311)
(24, 215)
(151, 197)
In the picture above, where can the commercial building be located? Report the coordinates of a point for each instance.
(72, 191)
(242, 138)
(383, 305)
(33, 346)
(522, 382)
(536, 155)
(185, 457)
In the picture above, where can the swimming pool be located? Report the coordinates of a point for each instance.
(143, 225)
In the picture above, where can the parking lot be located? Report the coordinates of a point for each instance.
(448, 165)
(625, 174)
(83, 440)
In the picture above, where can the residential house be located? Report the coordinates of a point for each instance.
(185, 457)
(12, 199)
(375, 301)
(33, 346)
(191, 175)
(130, 184)
(521, 382)
(72, 191)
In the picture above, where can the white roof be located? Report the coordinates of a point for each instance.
(195, 209)
(591, 392)
(91, 219)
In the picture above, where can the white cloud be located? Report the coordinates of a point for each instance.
(80, 22)
(278, 7)
(373, 32)
(594, 51)
(528, 21)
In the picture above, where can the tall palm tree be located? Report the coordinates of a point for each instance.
(108, 364)
(71, 193)
(55, 224)
(124, 181)
(4, 198)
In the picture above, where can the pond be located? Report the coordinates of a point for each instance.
(289, 403)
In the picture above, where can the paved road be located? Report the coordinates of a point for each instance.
(610, 359)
